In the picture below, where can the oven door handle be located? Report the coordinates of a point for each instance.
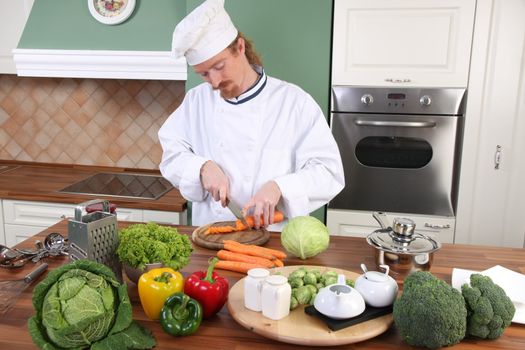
(361, 122)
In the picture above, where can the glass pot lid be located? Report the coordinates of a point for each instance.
(402, 239)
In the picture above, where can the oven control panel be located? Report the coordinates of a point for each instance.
(352, 99)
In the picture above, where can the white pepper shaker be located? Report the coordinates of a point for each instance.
(253, 284)
(275, 297)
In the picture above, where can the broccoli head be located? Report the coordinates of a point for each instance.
(430, 313)
(489, 309)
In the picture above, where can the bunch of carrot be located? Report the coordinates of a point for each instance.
(241, 257)
(239, 226)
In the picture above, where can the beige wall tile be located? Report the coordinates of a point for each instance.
(85, 121)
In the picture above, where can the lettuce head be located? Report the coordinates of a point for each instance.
(305, 237)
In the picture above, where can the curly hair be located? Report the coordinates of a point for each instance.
(252, 55)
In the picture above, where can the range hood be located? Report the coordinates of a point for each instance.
(62, 39)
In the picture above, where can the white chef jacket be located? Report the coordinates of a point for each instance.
(273, 131)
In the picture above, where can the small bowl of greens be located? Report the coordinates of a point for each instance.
(141, 245)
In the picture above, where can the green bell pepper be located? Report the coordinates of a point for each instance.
(181, 315)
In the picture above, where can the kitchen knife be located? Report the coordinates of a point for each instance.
(236, 210)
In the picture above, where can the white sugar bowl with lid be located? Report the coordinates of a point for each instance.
(377, 288)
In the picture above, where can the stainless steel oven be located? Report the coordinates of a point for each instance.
(400, 148)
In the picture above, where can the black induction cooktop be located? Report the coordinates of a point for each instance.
(121, 185)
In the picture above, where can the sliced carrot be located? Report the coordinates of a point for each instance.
(220, 229)
(245, 249)
(232, 256)
(236, 266)
(258, 249)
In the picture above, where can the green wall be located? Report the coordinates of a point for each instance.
(68, 24)
(294, 40)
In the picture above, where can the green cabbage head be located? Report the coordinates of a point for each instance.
(82, 305)
(305, 237)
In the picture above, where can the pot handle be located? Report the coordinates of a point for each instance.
(386, 268)
(381, 219)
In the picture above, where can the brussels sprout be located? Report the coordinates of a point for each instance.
(312, 288)
(330, 280)
(296, 282)
(293, 303)
(319, 286)
(299, 273)
(317, 273)
(310, 278)
(303, 295)
(350, 283)
(329, 274)
(312, 299)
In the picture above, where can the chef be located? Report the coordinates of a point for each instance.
(242, 135)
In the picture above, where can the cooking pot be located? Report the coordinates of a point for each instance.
(399, 247)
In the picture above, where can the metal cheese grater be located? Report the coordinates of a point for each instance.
(94, 236)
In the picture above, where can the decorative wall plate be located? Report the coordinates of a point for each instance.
(111, 11)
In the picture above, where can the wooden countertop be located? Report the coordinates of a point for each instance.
(223, 332)
(40, 182)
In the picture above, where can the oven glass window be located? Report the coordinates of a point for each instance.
(393, 152)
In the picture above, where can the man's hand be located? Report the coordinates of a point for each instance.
(263, 204)
(215, 182)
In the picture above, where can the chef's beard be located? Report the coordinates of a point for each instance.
(228, 89)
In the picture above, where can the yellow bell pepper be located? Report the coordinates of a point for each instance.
(155, 286)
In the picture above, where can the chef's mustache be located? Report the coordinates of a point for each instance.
(223, 85)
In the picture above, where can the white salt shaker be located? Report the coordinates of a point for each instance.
(275, 297)
(253, 284)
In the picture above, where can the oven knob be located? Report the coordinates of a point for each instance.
(425, 100)
(367, 99)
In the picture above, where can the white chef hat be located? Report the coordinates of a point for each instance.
(203, 33)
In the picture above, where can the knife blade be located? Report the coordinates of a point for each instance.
(237, 211)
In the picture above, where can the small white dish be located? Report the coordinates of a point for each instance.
(339, 301)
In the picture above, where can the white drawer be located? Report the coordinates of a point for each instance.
(15, 234)
(127, 214)
(163, 217)
(42, 214)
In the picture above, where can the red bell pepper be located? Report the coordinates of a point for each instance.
(208, 288)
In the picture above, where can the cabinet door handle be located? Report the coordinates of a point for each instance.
(497, 157)
(437, 227)
(392, 80)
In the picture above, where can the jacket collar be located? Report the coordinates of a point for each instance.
(253, 91)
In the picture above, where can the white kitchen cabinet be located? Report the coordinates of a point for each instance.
(127, 214)
(164, 217)
(491, 199)
(402, 42)
(361, 223)
(23, 219)
(13, 16)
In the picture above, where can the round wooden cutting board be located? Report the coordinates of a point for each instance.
(298, 327)
(215, 241)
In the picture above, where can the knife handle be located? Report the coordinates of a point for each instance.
(35, 273)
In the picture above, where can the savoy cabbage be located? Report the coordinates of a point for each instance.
(82, 305)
